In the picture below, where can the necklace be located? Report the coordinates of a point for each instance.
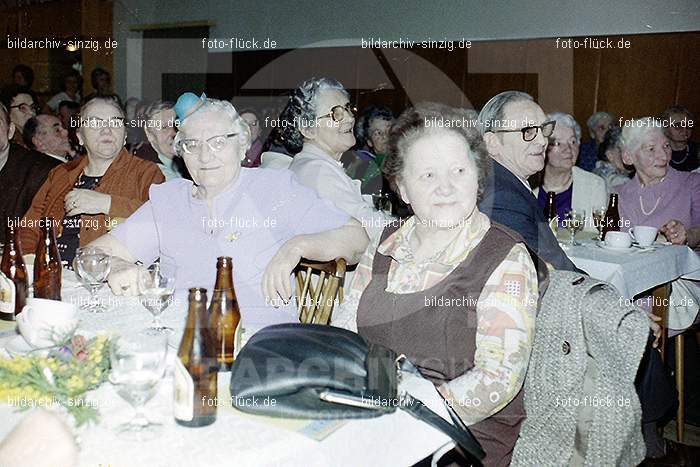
(656, 205)
(687, 152)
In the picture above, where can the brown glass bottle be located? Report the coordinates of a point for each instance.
(224, 314)
(612, 216)
(195, 371)
(47, 264)
(12, 265)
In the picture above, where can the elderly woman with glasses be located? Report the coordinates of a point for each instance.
(317, 127)
(452, 290)
(86, 196)
(262, 218)
(22, 104)
(574, 188)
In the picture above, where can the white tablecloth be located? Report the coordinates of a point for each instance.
(234, 439)
(635, 271)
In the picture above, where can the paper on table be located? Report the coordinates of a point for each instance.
(317, 430)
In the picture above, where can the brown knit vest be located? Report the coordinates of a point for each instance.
(441, 340)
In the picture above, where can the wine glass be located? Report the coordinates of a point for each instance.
(93, 265)
(599, 221)
(137, 366)
(574, 222)
(156, 288)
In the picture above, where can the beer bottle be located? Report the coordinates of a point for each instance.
(550, 212)
(195, 372)
(612, 216)
(224, 314)
(12, 266)
(47, 264)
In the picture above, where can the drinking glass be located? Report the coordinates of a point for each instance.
(137, 366)
(574, 222)
(156, 288)
(93, 265)
(599, 221)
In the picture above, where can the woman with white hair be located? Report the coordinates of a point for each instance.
(317, 125)
(574, 188)
(262, 218)
(598, 124)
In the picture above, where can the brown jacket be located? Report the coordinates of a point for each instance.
(127, 180)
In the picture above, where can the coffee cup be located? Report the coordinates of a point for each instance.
(43, 321)
(643, 234)
(618, 239)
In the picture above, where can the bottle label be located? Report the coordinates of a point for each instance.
(7, 296)
(183, 407)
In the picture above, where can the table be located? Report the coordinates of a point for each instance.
(235, 438)
(635, 271)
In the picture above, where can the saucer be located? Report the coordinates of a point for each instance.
(18, 346)
(605, 246)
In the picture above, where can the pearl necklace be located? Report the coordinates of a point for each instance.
(687, 153)
(656, 205)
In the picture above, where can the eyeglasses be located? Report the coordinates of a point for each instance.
(215, 143)
(530, 132)
(24, 107)
(339, 112)
(559, 144)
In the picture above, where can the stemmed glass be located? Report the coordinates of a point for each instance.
(138, 364)
(93, 265)
(574, 222)
(156, 288)
(599, 221)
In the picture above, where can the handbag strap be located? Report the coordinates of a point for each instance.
(457, 430)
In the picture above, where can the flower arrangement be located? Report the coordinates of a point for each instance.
(62, 377)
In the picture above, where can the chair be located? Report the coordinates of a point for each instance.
(318, 286)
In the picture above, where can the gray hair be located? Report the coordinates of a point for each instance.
(426, 118)
(156, 107)
(567, 120)
(238, 125)
(300, 110)
(492, 114)
(634, 132)
(593, 120)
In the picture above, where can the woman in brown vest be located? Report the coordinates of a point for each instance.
(454, 292)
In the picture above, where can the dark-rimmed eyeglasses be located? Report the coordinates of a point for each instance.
(215, 143)
(530, 132)
(24, 107)
(339, 112)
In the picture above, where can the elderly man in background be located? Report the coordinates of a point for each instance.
(160, 132)
(515, 130)
(598, 124)
(252, 156)
(46, 134)
(21, 174)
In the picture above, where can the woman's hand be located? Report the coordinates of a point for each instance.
(675, 232)
(275, 281)
(81, 201)
(123, 278)
(655, 327)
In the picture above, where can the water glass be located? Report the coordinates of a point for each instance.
(156, 287)
(92, 266)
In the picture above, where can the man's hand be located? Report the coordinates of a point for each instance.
(80, 201)
(675, 232)
(275, 281)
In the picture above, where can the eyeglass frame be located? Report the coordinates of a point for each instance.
(524, 129)
(347, 108)
(181, 142)
(33, 105)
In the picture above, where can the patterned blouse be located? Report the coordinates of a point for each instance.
(505, 312)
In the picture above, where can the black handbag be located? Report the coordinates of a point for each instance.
(323, 372)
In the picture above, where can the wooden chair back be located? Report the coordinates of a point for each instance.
(318, 286)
